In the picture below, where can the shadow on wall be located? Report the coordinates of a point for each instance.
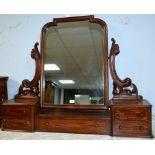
(12, 88)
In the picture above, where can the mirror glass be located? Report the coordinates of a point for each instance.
(73, 64)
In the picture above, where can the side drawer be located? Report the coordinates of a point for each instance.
(136, 129)
(128, 113)
(16, 124)
(74, 126)
(17, 111)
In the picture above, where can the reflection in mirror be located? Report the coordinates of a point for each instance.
(73, 64)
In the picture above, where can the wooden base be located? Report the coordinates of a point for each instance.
(132, 119)
(127, 119)
(86, 122)
(19, 115)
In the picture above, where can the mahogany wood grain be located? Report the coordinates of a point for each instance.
(19, 115)
(132, 119)
(74, 121)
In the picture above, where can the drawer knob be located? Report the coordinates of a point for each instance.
(24, 111)
(46, 123)
(142, 114)
(7, 111)
(97, 125)
(26, 123)
(117, 114)
(141, 128)
(120, 127)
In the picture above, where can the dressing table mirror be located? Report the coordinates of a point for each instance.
(70, 89)
(75, 63)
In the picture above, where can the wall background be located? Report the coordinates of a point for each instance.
(135, 35)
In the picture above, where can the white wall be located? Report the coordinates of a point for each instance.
(18, 33)
(134, 33)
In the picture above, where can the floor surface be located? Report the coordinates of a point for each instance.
(7, 135)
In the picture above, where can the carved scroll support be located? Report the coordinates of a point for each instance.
(123, 90)
(30, 89)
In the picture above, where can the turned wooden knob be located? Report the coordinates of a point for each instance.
(120, 127)
(24, 111)
(46, 123)
(141, 128)
(142, 114)
(117, 114)
(26, 123)
(7, 111)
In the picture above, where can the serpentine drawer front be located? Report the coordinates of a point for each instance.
(131, 120)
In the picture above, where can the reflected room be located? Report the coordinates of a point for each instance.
(73, 64)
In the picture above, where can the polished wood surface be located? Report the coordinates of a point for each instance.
(19, 115)
(74, 121)
(132, 119)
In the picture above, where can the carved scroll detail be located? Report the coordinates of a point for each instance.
(30, 89)
(123, 90)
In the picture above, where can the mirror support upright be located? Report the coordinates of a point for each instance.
(123, 90)
(30, 89)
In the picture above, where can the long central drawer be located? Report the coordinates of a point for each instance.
(100, 126)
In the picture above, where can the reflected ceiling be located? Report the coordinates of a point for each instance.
(77, 49)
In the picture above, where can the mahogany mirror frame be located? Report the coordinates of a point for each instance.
(91, 19)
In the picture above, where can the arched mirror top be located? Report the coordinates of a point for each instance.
(74, 63)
